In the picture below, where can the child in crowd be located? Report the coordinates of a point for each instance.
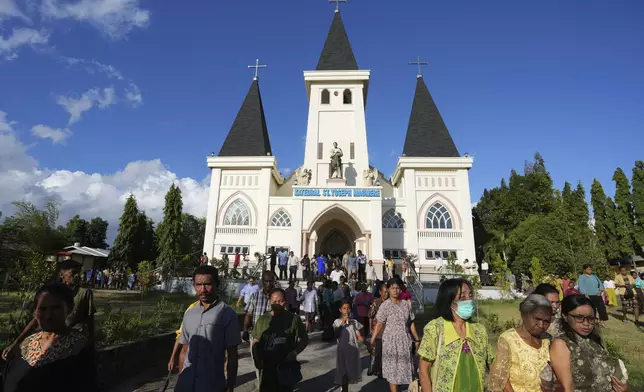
(347, 332)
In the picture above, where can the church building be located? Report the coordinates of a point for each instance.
(337, 201)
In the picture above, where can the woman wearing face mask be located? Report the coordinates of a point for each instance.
(578, 356)
(522, 353)
(454, 350)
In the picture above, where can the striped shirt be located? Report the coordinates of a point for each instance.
(258, 305)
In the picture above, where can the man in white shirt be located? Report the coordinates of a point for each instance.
(293, 262)
(245, 265)
(336, 274)
(248, 290)
(485, 277)
(309, 304)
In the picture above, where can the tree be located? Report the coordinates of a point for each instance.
(77, 230)
(124, 249)
(170, 232)
(97, 233)
(193, 229)
(536, 271)
(146, 239)
(145, 276)
(638, 205)
(623, 214)
(604, 215)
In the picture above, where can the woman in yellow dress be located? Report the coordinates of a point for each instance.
(522, 353)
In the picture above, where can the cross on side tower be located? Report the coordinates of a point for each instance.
(419, 64)
(337, 4)
(257, 66)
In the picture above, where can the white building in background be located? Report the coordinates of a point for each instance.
(424, 208)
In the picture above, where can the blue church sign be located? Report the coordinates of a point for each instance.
(336, 192)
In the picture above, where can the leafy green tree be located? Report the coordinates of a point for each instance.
(623, 214)
(170, 232)
(145, 276)
(500, 272)
(146, 239)
(536, 271)
(124, 250)
(604, 215)
(97, 233)
(77, 230)
(638, 205)
(193, 229)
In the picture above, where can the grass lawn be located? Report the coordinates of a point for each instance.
(621, 338)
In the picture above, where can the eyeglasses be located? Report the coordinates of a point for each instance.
(579, 319)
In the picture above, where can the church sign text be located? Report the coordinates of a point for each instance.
(336, 192)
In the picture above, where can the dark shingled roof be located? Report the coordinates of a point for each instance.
(337, 54)
(248, 137)
(427, 135)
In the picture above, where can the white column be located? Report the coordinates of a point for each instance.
(211, 213)
(465, 206)
(296, 228)
(411, 220)
(262, 209)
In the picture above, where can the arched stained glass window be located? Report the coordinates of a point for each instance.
(438, 217)
(237, 214)
(392, 220)
(281, 219)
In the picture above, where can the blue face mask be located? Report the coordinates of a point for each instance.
(465, 309)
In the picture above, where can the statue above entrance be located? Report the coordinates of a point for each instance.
(302, 176)
(335, 168)
(371, 177)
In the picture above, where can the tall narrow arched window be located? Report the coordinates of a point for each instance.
(281, 219)
(237, 214)
(346, 97)
(438, 217)
(326, 97)
(392, 220)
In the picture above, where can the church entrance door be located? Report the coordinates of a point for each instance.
(337, 232)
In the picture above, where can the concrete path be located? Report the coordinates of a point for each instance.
(318, 367)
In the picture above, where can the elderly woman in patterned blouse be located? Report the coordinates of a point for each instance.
(454, 350)
(522, 353)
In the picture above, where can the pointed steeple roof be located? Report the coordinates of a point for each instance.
(337, 54)
(248, 135)
(427, 135)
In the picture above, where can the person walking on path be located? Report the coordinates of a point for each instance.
(247, 292)
(609, 289)
(397, 365)
(625, 290)
(485, 273)
(273, 259)
(362, 266)
(363, 301)
(309, 304)
(376, 350)
(390, 267)
(209, 336)
(348, 369)
(293, 263)
(454, 353)
(80, 318)
(279, 336)
(370, 273)
(283, 263)
(292, 300)
(592, 287)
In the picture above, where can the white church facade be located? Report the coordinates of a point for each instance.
(337, 200)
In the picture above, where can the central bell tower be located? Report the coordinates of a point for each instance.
(337, 92)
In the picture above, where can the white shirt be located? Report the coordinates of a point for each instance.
(609, 284)
(293, 261)
(246, 261)
(484, 266)
(336, 275)
(310, 304)
(371, 272)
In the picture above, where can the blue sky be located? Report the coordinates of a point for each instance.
(132, 94)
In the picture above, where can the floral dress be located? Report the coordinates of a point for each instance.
(519, 363)
(396, 342)
(348, 353)
(591, 365)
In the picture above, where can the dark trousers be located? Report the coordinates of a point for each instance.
(362, 275)
(365, 326)
(273, 267)
(283, 274)
(377, 366)
(292, 273)
(600, 306)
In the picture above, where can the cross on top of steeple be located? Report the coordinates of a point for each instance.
(257, 66)
(419, 64)
(337, 4)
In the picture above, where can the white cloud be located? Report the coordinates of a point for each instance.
(115, 18)
(286, 171)
(94, 67)
(20, 37)
(77, 106)
(57, 135)
(9, 9)
(90, 194)
(133, 95)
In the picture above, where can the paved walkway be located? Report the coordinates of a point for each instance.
(318, 367)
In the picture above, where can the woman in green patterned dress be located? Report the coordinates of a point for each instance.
(577, 355)
(454, 351)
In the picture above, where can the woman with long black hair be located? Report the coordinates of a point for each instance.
(578, 356)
